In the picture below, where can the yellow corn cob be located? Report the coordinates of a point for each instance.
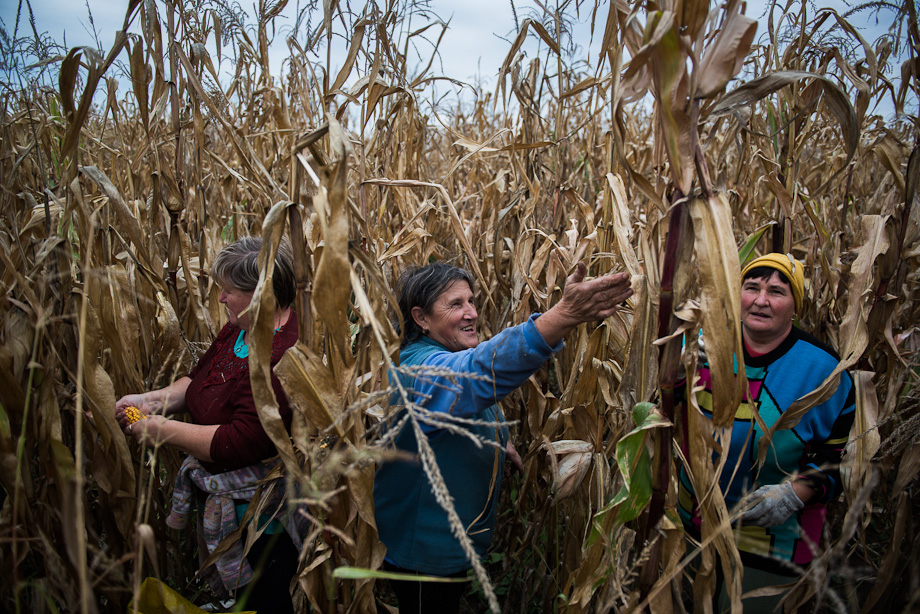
(133, 414)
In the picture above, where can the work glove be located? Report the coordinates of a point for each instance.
(774, 504)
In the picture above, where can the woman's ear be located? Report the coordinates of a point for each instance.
(420, 318)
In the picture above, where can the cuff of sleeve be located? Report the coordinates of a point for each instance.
(536, 340)
(217, 447)
(823, 484)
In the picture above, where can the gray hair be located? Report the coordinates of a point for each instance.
(421, 287)
(237, 265)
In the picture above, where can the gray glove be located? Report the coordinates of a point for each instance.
(775, 503)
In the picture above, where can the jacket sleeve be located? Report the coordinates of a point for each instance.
(475, 379)
(243, 441)
(820, 466)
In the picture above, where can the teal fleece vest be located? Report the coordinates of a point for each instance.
(410, 522)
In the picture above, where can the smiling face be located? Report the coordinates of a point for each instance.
(237, 302)
(452, 318)
(767, 309)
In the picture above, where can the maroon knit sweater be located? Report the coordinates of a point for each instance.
(220, 393)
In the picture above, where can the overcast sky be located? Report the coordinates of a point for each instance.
(471, 36)
(475, 45)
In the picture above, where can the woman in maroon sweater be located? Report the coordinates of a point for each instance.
(225, 435)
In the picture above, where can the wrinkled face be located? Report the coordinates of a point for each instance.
(452, 319)
(237, 302)
(767, 308)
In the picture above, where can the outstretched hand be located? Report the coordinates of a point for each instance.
(599, 298)
(583, 301)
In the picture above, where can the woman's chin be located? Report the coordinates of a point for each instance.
(469, 340)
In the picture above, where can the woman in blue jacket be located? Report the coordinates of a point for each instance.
(438, 309)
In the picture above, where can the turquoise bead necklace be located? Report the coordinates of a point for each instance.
(241, 348)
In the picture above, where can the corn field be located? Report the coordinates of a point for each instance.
(693, 140)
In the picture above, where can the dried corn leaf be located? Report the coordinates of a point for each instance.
(864, 436)
(263, 309)
(720, 276)
(725, 55)
(761, 87)
(330, 295)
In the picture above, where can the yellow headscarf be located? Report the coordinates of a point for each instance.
(788, 266)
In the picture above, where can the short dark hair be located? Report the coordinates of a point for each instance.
(420, 287)
(766, 272)
(237, 265)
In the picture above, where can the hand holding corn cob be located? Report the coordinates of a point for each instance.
(130, 409)
(140, 423)
(151, 409)
(133, 415)
(130, 415)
